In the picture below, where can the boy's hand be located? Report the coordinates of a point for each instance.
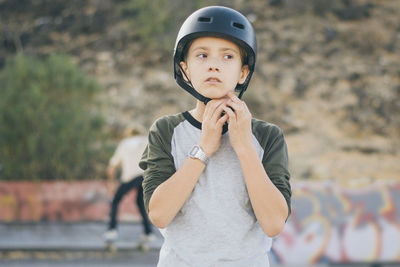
(210, 138)
(239, 123)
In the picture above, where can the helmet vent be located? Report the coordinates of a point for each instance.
(238, 25)
(204, 19)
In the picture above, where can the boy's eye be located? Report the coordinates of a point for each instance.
(202, 55)
(228, 56)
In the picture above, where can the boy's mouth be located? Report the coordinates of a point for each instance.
(213, 80)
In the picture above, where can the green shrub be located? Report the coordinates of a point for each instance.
(48, 125)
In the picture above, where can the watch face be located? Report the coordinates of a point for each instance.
(194, 151)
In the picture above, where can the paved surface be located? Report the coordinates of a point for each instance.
(68, 236)
(75, 244)
(82, 244)
(76, 259)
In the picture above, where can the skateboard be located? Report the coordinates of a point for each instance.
(142, 246)
(111, 246)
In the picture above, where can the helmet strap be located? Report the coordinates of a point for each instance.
(187, 85)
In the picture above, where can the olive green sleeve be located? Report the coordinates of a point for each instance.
(275, 159)
(157, 161)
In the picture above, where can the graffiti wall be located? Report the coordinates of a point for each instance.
(330, 223)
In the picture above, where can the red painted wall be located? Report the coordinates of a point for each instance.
(61, 201)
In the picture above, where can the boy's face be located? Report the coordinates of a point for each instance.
(214, 66)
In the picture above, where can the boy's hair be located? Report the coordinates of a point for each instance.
(215, 21)
(133, 130)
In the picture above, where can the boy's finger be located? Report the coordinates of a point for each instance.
(233, 97)
(210, 107)
(237, 107)
(230, 113)
(222, 120)
(213, 109)
(230, 95)
(217, 113)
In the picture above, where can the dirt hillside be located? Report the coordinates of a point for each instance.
(328, 72)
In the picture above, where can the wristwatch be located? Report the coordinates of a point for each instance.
(197, 153)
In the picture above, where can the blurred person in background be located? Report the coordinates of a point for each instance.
(126, 157)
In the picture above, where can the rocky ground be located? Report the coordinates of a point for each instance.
(328, 73)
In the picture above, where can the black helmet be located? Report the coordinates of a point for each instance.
(221, 22)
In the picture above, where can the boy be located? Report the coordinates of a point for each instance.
(216, 181)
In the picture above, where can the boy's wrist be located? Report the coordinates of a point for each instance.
(198, 153)
(205, 149)
(243, 149)
(207, 152)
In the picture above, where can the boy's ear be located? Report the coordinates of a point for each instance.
(185, 69)
(243, 74)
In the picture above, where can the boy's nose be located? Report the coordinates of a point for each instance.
(211, 68)
(213, 64)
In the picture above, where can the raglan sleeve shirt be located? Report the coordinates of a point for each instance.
(158, 162)
(224, 229)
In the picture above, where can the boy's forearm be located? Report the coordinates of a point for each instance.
(268, 203)
(169, 197)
